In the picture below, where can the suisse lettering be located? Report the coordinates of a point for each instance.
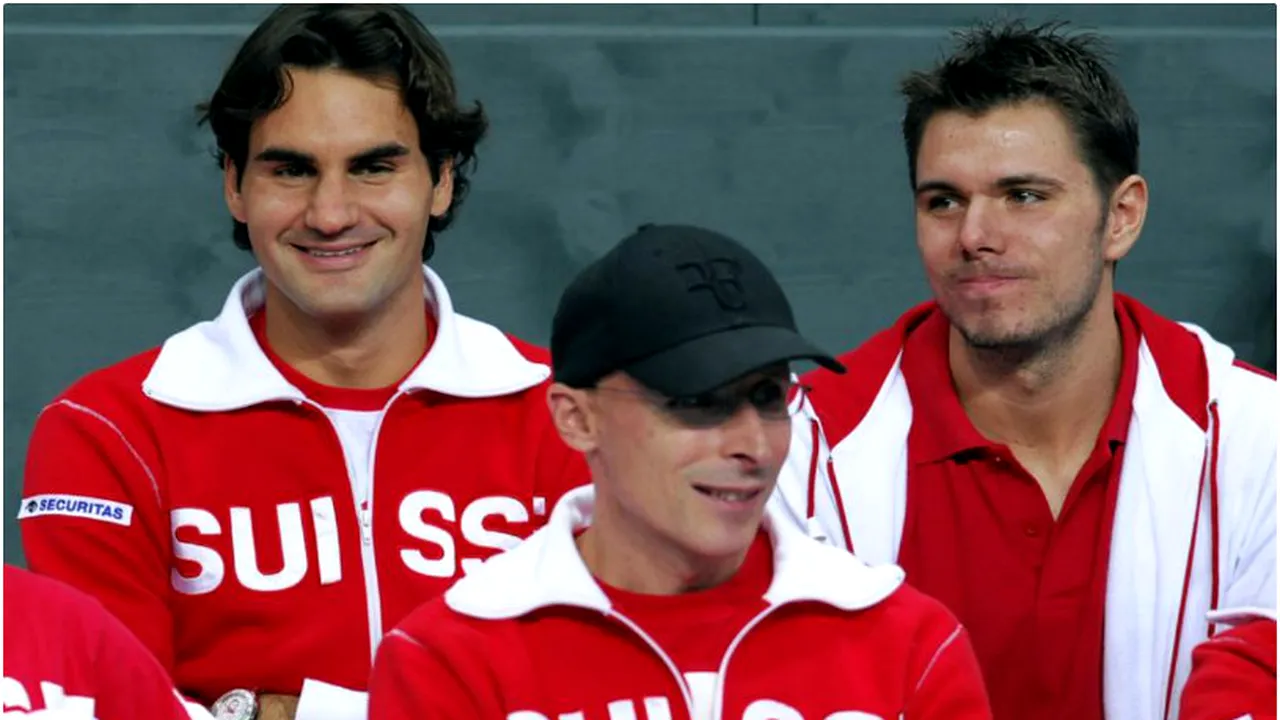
(659, 708)
(421, 503)
(427, 516)
(244, 551)
(14, 696)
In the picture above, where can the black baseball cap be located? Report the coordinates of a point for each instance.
(682, 309)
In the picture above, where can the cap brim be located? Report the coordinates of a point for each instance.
(710, 361)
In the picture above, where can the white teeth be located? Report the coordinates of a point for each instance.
(732, 496)
(338, 253)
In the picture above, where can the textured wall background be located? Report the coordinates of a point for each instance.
(774, 123)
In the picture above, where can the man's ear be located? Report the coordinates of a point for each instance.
(573, 414)
(442, 193)
(1125, 217)
(231, 189)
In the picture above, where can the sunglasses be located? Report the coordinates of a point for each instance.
(770, 398)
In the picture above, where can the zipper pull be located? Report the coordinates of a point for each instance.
(366, 524)
(814, 528)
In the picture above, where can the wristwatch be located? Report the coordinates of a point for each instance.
(238, 704)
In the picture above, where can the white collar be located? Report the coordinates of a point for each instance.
(1218, 356)
(217, 365)
(546, 570)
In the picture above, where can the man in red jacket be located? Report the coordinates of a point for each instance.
(1079, 479)
(665, 590)
(67, 658)
(261, 497)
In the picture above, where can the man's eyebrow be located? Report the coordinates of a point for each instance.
(1004, 183)
(934, 185)
(1028, 179)
(285, 155)
(385, 151)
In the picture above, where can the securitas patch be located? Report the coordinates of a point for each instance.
(76, 506)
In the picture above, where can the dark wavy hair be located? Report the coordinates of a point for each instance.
(378, 42)
(1005, 62)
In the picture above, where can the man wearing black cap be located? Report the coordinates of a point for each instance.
(667, 589)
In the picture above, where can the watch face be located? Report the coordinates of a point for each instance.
(235, 705)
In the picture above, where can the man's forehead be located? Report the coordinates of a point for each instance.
(973, 162)
(1033, 128)
(333, 112)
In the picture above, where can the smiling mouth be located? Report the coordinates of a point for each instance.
(985, 284)
(967, 279)
(318, 252)
(729, 495)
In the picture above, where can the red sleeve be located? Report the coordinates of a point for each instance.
(1233, 674)
(950, 686)
(60, 643)
(115, 544)
(412, 680)
(130, 683)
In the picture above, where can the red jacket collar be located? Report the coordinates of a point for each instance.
(842, 401)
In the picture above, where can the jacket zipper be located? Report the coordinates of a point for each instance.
(367, 559)
(364, 517)
(717, 707)
(666, 659)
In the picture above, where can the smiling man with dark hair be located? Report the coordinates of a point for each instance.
(287, 480)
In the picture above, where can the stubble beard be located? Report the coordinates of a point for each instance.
(1048, 336)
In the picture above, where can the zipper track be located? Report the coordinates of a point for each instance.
(666, 659)
(717, 706)
(364, 517)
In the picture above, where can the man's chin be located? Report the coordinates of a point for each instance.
(989, 339)
(729, 542)
(339, 310)
(988, 328)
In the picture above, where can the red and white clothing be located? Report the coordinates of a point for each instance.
(1234, 673)
(66, 657)
(802, 631)
(252, 536)
(1068, 616)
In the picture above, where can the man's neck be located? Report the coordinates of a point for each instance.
(371, 351)
(649, 568)
(1055, 401)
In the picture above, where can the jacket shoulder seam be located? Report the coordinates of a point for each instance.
(955, 633)
(398, 633)
(90, 412)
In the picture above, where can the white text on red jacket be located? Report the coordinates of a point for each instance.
(427, 516)
(659, 708)
(14, 697)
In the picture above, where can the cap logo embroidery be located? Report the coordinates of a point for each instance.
(720, 276)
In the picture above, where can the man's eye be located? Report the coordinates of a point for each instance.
(768, 393)
(1025, 197)
(373, 169)
(292, 171)
(692, 402)
(940, 202)
(770, 397)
